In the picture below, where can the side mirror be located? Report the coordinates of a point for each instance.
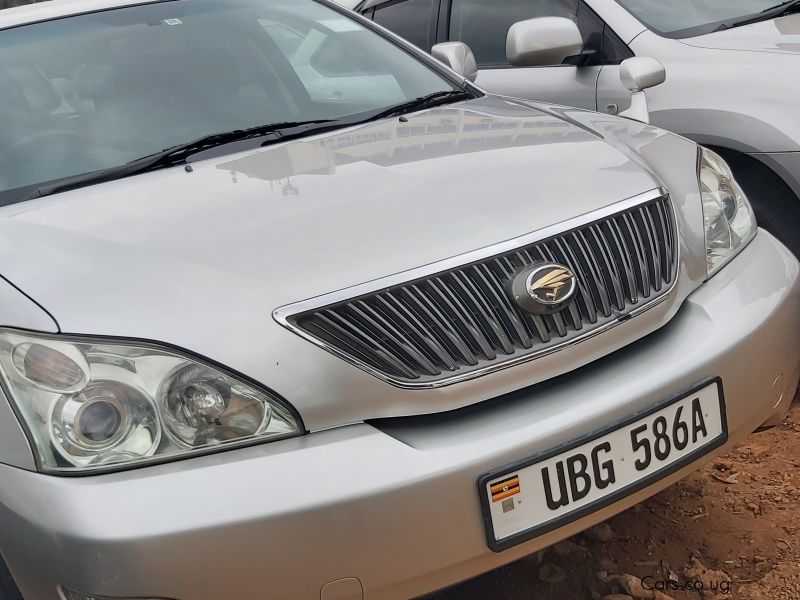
(459, 57)
(638, 74)
(542, 41)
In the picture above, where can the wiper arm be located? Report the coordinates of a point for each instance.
(784, 8)
(270, 133)
(180, 153)
(429, 101)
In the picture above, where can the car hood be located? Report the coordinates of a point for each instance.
(781, 36)
(201, 259)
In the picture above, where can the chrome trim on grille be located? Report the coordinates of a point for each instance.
(624, 291)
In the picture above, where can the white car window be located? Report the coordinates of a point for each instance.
(484, 26)
(409, 19)
(329, 61)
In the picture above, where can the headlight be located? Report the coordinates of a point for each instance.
(90, 404)
(729, 220)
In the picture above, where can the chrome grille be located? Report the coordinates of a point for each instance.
(454, 323)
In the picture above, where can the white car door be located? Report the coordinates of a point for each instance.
(484, 26)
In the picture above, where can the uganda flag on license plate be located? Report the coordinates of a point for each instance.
(505, 489)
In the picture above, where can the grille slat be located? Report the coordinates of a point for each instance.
(355, 340)
(483, 312)
(462, 318)
(612, 267)
(494, 289)
(624, 261)
(638, 245)
(413, 355)
(654, 258)
(352, 320)
(667, 233)
(587, 279)
(598, 284)
(443, 325)
(653, 230)
(458, 321)
(406, 318)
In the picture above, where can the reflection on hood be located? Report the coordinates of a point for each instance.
(435, 134)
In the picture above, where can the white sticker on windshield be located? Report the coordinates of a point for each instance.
(172, 22)
(341, 25)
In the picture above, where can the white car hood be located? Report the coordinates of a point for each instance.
(254, 231)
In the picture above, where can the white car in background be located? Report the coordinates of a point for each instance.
(316, 55)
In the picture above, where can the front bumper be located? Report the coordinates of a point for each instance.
(391, 507)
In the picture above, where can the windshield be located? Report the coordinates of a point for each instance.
(685, 18)
(92, 92)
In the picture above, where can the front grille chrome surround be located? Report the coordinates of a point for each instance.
(455, 320)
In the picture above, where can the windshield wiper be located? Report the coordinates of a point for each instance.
(429, 101)
(255, 136)
(773, 12)
(787, 4)
(180, 153)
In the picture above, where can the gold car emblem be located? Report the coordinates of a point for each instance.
(551, 284)
(544, 288)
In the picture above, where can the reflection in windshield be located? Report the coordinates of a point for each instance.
(674, 16)
(95, 91)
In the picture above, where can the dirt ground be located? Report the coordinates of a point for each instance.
(730, 529)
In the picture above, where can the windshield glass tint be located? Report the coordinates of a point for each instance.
(85, 93)
(671, 16)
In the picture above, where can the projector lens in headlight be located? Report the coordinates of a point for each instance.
(104, 418)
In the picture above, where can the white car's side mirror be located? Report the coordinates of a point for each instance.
(638, 74)
(542, 41)
(459, 57)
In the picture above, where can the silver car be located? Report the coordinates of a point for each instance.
(316, 318)
(729, 64)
